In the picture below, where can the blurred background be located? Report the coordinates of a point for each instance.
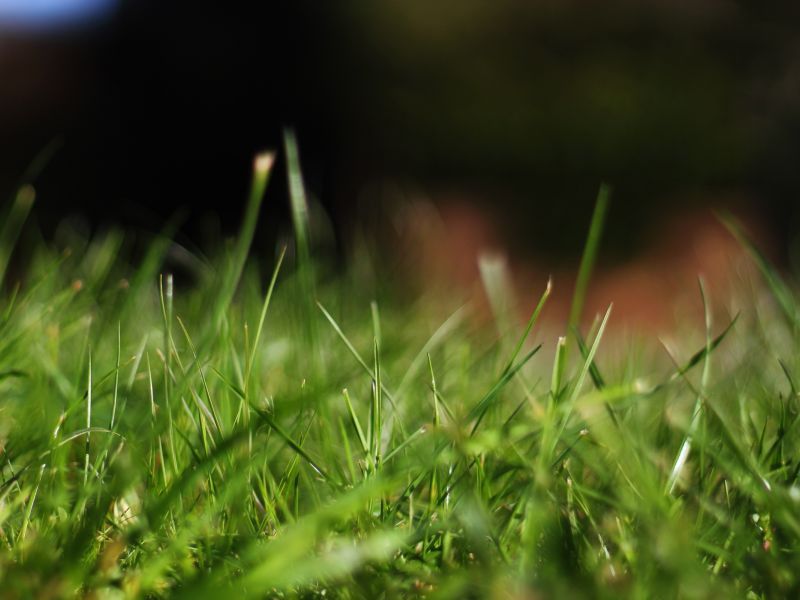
(517, 109)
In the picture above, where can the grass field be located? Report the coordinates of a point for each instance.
(192, 439)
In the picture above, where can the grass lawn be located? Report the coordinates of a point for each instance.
(193, 440)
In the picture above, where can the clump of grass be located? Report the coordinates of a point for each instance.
(195, 441)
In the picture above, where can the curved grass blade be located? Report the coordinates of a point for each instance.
(366, 368)
(215, 414)
(264, 312)
(779, 289)
(452, 322)
(12, 227)
(683, 455)
(700, 354)
(294, 445)
(356, 424)
(477, 413)
(594, 372)
(528, 328)
(97, 384)
(589, 255)
(410, 440)
(230, 275)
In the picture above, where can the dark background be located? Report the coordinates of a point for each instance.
(526, 106)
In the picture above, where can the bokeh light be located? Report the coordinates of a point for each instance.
(47, 15)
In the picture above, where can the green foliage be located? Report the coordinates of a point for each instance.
(152, 448)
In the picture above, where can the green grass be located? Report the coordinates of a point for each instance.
(193, 440)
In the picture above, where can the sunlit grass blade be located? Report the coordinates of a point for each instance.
(476, 414)
(410, 440)
(363, 364)
(293, 445)
(549, 445)
(29, 506)
(701, 354)
(98, 382)
(111, 425)
(514, 354)
(376, 322)
(264, 312)
(594, 372)
(214, 412)
(354, 419)
(683, 454)
(88, 418)
(229, 277)
(589, 256)
(166, 310)
(558, 370)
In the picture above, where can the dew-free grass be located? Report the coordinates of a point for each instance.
(294, 438)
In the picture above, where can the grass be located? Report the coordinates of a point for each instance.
(167, 439)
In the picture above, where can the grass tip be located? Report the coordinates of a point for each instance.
(263, 162)
(26, 194)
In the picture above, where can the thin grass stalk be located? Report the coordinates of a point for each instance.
(88, 420)
(589, 255)
(683, 454)
(166, 309)
(116, 388)
(9, 233)
(360, 360)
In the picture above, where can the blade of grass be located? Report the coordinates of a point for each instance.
(594, 372)
(116, 386)
(364, 365)
(779, 289)
(444, 330)
(528, 328)
(589, 256)
(88, 419)
(410, 440)
(549, 448)
(264, 313)
(214, 412)
(683, 454)
(362, 440)
(12, 227)
(476, 414)
(167, 338)
(230, 275)
(293, 445)
(376, 322)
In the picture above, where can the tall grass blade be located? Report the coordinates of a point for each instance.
(683, 455)
(88, 419)
(477, 413)
(12, 227)
(780, 290)
(438, 337)
(215, 414)
(589, 256)
(264, 314)
(360, 360)
(354, 419)
(539, 307)
(229, 278)
(293, 445)
(297, 192)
